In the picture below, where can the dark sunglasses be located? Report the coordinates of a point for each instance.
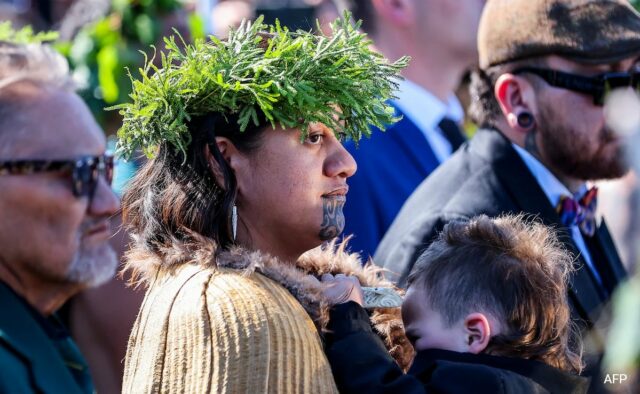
(84, 170)
(597, 86)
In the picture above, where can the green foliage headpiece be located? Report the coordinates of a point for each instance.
(290, 79)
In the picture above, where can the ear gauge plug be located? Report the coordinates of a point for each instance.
(525, 120)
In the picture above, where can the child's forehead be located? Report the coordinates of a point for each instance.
(415, 302)
(417, 290)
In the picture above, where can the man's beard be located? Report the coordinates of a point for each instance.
(565, 150)
(93, 266)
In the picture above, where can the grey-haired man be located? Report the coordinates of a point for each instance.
(55, 202)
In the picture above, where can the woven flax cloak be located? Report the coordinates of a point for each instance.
(241, 323)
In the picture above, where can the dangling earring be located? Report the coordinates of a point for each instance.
(234, 221)
(525, 120)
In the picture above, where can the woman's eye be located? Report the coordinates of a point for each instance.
(315, 139)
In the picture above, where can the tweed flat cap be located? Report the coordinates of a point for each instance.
(590, 31)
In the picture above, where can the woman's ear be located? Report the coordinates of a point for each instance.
(477, 332)
(226, 148)
(229, 153)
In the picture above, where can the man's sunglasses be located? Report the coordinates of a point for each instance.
(85, 171)
(597, 86)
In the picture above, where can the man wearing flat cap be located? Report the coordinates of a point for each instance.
(546, 68)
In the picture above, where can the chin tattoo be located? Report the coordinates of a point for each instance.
(332, 218)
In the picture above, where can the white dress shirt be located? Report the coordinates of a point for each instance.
(426, 111)
(554, 189)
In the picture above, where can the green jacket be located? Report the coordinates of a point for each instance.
(29, 362)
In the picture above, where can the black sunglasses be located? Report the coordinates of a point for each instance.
(84, 170)
(597, 86)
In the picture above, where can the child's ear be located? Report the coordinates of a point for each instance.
(477, 332)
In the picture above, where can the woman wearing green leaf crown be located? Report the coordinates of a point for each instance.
(247, 173)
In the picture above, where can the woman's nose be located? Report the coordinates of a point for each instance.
(340, 163)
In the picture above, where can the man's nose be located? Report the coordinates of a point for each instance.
(104, 201)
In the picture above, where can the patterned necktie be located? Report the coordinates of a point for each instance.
(581, 213)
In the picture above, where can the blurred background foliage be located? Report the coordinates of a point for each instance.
(100, 51)
(24, 35)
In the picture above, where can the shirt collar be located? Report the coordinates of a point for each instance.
(413, 99)
(552, 187)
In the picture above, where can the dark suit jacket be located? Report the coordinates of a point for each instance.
(29, 361)
(390, 166)
(361, 364)
(487, 176)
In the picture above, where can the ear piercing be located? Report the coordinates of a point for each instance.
(234, 221)
(525, 120)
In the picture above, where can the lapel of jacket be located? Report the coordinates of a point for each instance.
(414, 143)
(529, 196)
(610, 252)
(23, 333)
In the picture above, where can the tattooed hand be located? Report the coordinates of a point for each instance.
(341, 288)
(332, 217)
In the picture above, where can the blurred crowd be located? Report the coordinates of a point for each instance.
(101, 39)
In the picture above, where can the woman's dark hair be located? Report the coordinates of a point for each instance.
(175, 195)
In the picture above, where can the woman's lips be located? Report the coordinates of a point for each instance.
(339, 198)
(338, 194)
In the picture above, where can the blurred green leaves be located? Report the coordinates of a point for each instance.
(107, 59)
(100, 53)
(24, 35)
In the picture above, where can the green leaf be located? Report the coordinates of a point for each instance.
(196, 26)
(145, 29)
(107, 70)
